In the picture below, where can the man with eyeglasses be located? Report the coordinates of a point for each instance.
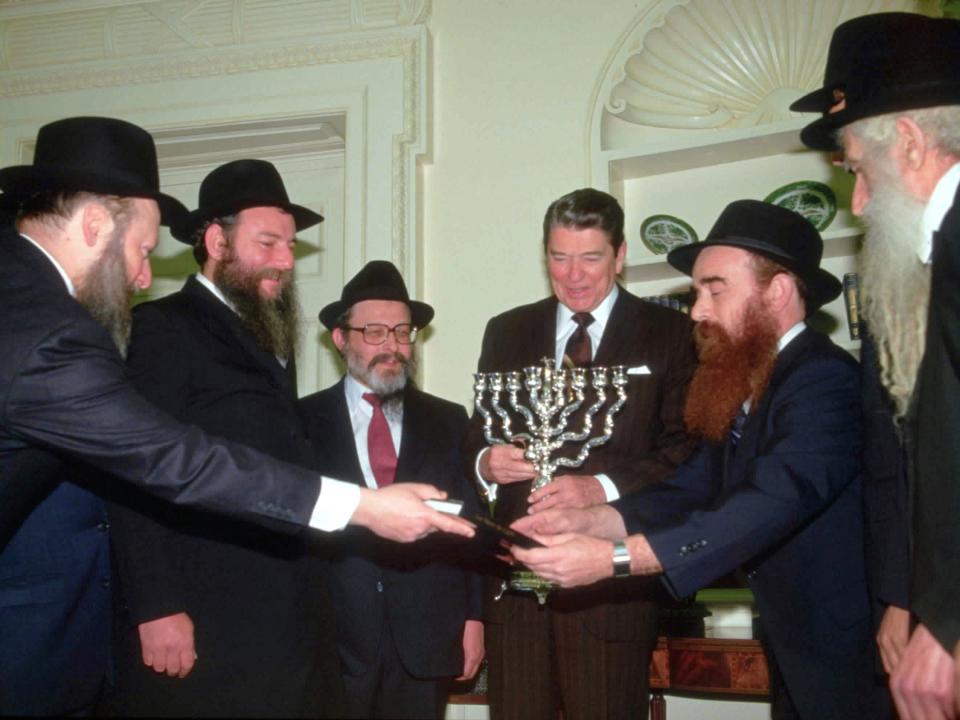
(221, 619)
(408, 620)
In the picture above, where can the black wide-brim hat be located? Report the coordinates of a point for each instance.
(92, 154)
(782, 235)
(239, 185)
(377, 280)
(883, 63)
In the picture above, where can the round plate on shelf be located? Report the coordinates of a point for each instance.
(663, 233)
(814, 200)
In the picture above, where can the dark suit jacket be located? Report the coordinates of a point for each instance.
(262, 620)
(55, 607)
(64, 392)
(649, 437)
(936, 549)
(784, 505)
(422, 588)
(886, 492)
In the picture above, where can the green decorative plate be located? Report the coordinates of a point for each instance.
(663, 233)
(814, 200)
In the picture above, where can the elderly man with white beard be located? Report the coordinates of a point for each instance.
(891, 102)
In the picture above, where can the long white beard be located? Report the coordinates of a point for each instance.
(895, 287)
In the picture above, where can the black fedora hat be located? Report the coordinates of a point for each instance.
(377, 280)
(239, 185)
(782, 235)
(92, 154)
(883, 63)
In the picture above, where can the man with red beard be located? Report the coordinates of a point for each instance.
(775, 488)
(891, 102)
(408, 621)
(219, 618)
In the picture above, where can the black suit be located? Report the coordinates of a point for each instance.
(262, 621)
(649, 440)
(419, 594)
(64, 395)
(784, 504)
(885, 491)
(936, 548)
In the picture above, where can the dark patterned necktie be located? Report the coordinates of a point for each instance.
(579, 350)
(383, 456)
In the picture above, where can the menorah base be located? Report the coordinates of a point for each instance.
(525, 581)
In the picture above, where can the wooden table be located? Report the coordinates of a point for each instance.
(731, 664)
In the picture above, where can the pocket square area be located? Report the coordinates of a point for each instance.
(641, 370)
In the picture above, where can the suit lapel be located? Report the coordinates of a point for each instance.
(544, 332)
(228, 326)
(336, 447)
(756, 422)
(414, 440)
(621, 329)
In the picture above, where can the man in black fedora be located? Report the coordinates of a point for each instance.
(221, 619)
(408, 620)
(891, 102)
(87, 216)
(774, 490)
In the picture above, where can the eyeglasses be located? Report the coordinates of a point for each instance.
(377, 333)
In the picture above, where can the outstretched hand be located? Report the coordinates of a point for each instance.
(397, 512)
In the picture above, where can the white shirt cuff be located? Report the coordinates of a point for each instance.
(337, 502)
(609, 489)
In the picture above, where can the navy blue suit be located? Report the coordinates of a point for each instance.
(783, 504)
(55, 607)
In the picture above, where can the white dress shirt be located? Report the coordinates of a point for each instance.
(937, 206)
(361, 412)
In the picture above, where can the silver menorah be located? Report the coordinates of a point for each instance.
(554, 395)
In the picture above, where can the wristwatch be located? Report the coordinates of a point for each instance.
(621, 560)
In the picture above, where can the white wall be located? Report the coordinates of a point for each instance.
(512, 87)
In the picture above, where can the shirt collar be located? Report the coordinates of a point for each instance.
(937, 206)
(601, 314)
(790, 335)
(63, 273)
(354, 391)
(208, 284)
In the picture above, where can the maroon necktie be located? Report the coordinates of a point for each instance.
(579, 351)
(383, 456)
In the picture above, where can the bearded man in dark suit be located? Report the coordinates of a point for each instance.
(87, 216)
(891, 102)
(594, 645)
(222, 619)
(408, 620)
(775, 489)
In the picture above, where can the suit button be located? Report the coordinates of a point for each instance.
(684, 550)
(104, 583)
(103, 526)
(379, 586)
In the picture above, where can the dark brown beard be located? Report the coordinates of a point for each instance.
(731, 370)
(273, 323)
(106, 292)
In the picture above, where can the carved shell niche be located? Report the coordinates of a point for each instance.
(730, 63)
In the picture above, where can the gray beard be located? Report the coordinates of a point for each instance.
(106, 293)
(390, 390)
(895, 287)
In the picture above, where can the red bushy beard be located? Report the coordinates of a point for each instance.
(731, 370)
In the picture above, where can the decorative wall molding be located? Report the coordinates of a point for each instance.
(712, 64)
(45, 33)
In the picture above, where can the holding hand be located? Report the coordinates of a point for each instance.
(567, 491)
(167, 645)
(569, 560)
(598, 520)
(397, 512)
(505, 464)
(892, 636)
